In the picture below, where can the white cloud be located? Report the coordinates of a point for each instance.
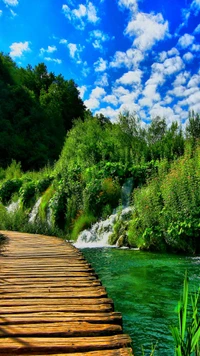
(11, 2)
(102, 81)
(147, 29)
(131, 77)
(55, 60)
(98, 37)
(196, 6)
(197, 29)
(164, 112)
(119, 91)
(80, 16)
(92, 13)
(108, 112)
(194, 81)
(81, 11)
(169, 67)
(130, 4)
(50, 49)
(181, 78)
(130, 59)
(100, 65)
(74, 51)
(1, 13)
(18, 49)
(13, 13)
(173, 52)
(188, 57)
(185, 41)
(178, 91)
(82, 91)
(94, 100)
(63, 41)
(195, 48)
(110, 99)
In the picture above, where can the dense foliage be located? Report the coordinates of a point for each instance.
(97, 158)
(37, 109)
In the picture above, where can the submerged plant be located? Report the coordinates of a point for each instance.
(187, 334)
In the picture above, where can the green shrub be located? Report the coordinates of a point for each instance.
(43, 184)
(27, 194)
(44, 205)
(13, 171)
(81, 223)
(8, 188)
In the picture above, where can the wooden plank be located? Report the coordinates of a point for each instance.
(45, 344)
(48, 317)
(69, 329)
(118, 352)
(52, 302)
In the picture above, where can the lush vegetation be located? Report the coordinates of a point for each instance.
(37, 109)
(98, 156)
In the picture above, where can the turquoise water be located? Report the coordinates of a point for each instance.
(145, 288)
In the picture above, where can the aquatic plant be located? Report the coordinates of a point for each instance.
(187, 334)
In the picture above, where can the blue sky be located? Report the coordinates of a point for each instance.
(136, 55)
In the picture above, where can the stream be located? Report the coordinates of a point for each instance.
(145, 288)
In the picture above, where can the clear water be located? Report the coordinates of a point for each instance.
(145, 288)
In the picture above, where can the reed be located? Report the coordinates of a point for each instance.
(187, 334)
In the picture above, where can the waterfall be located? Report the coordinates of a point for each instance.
(99, 233)
(126, 192)
(34, 212)
(12, 207)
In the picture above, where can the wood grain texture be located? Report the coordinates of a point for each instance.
(52, 302)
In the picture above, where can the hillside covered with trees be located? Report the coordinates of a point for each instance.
(43, 119)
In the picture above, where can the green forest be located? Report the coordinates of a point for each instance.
(53, 148)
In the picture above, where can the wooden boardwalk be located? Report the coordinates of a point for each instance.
(51, 302)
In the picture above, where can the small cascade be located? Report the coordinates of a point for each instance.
(99, 233)
(126, 192)
(12, 207)
(34, 212)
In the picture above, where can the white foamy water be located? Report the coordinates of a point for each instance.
(12, 207)
(99, 233)
(33, 214)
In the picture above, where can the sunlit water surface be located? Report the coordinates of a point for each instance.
(145, 288)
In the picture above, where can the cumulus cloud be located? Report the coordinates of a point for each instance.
(94, 100)
(181, 78)
(100, 65)
(50, 49)
(188, 57)
(130, 59)
(197, 29)
(147, 29)
(194, 81)
(185, 41)
(108, 112)
(82, 91)
(1, 12)
(81, 15)
(102, 81)
(63, 41)
(18, 49)
(169, 66)
(55, 60)
(195, 6)
(75, 50)
(11, 2)
(130, 4)
(110, 99)
(98, 37)
(131, 77)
